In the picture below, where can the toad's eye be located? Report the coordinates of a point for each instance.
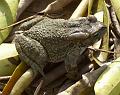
(77, 31)
(96, 34)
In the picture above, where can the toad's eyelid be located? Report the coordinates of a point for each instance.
(81, 35)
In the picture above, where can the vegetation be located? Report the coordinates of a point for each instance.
(99, 66)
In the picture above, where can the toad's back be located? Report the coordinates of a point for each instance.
(58, 36)
(53, 36)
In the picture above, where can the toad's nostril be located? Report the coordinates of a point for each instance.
(92, 18)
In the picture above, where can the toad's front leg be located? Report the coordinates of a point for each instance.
(32, 53)
(72, 61)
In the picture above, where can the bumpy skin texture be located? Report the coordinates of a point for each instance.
(57, 40)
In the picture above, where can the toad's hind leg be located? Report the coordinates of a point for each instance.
(32, 53)
(30, 23)
(27, 25)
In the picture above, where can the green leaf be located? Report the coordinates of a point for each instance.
(105, 41)
(109, 81)
(102, 16)
(97, 6)
(8, 10)
(80, 10)
(7, 52)
(23, 82)
(90, 4)
(116, 5)
(18, 72)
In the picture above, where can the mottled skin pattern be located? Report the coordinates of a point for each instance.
(57, 40)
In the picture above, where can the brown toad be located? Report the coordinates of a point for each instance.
(55, 40)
